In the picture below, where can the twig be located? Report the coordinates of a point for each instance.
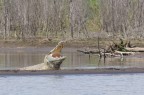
(99, 48)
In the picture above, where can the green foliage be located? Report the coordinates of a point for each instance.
(94, 16)
(1, 5)
(94, 5)
(122, 45)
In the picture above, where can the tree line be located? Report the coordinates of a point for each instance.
(22, 19)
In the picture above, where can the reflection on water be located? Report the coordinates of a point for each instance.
(11, 58)
(115, 84)
(78, 60)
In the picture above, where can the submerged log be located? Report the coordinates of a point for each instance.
(52, 60)
(88, 52)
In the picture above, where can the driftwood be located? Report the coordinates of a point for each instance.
(119, 46)
(119, 49)
(122, 48)
(123, 53)
(135, 49)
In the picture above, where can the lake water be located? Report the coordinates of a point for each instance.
(12, 58)
(86, 84)
(99, 84)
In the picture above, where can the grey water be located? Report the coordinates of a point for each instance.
(12, 58)
(86, 84)
(100, 84)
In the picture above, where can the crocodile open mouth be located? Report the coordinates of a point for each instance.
(54, 62)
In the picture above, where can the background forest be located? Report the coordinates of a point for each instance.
(69, 19)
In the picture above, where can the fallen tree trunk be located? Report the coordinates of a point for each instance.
(124, 53)
(119, 49)
(135, 49)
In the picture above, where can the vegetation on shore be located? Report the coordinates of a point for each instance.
(79, 22)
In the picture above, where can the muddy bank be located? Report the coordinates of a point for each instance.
(73, 71)
(43, 43)
(74, 43)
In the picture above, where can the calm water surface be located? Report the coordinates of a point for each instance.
(100, 84)
(12, 58)
(114, 84)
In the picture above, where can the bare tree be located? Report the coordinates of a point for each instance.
(22, 19)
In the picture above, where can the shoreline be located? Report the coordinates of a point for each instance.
(12, 46)
(73, 43)
(74, 71)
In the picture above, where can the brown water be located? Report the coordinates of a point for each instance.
(12, 58)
